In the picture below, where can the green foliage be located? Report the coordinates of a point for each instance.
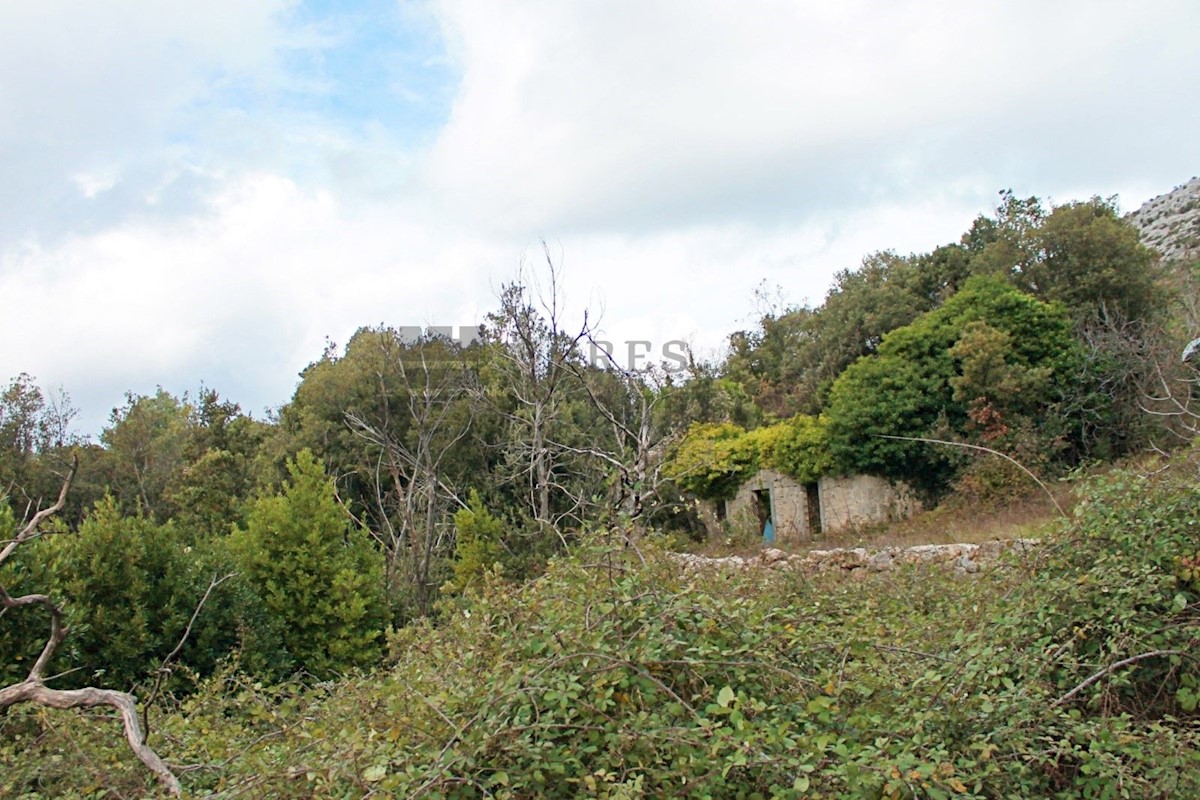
(126, 586)
(145, 438)
(802, 451)
(36, 439)
(789, 362)
(1080, 254)
(713, 460)
(208, 493)
(23, 632)
(477, 547)
(129, 587)
(980, 365)
(319, 576)
(1071, 673)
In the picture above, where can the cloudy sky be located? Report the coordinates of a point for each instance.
(207, 192)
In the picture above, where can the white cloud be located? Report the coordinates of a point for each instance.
(112, 89)
(645, 113)
(167, 219)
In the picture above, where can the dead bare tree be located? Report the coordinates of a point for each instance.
(1173, 395)
(411, 494)
(1176, 401)
(536, 354)
(638, 440)
(34, 690)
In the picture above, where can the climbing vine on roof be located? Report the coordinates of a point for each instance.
(714, 459)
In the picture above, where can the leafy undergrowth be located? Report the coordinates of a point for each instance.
(1071, 675)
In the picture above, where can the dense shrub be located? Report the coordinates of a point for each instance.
(317, 575)
(988, 363)
(477, 550)
(1070, 674)
(713, 460)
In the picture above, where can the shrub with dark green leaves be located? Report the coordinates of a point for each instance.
(989, 360)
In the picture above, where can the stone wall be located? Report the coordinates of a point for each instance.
(858, 500)
(842, 503)
(789, 506)
(962, 558)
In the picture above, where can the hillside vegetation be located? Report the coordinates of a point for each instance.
(1071, 674)
(442, 571)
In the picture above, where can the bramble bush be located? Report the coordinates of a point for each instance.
(1067, 674)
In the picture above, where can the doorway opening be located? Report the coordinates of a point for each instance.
(812, 504)
(762, 512)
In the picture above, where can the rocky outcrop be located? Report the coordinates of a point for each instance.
(962, 558)
(1170, 223)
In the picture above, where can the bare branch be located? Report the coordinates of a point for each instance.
(1113, 668)
(983, 449)
(30, 531)
(33, 688)
(31, 691)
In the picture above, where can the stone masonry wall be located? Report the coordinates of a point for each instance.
(862, 500)
(844, 503)
(962, 558)
(789, 506)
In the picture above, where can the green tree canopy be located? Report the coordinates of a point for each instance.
(1081, 254)
(990, 345)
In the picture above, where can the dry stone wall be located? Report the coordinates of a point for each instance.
(962, 558)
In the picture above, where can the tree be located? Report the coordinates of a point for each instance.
(127, 583)
(320, 576)
(636, 434)
(790, 362)
(1081, 254)
(399, 424)
(207, 494)
(415, 444)
(529, 381)
(36, 436)
(33, 688)
(1013, 347)
(713, 460)
(146, 438)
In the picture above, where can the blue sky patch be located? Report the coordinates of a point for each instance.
(380, 64)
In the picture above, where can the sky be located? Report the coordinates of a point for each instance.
(209, 193)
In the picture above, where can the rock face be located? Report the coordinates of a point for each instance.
(1170, 223)
(964, 559)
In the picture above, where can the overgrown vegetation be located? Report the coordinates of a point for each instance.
(489, 516)
(1071, 675)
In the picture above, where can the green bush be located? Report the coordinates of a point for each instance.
(1071, 673)
(803, 451)
(713, 461)
(988, 361)
(477, 546)
(320, 577)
